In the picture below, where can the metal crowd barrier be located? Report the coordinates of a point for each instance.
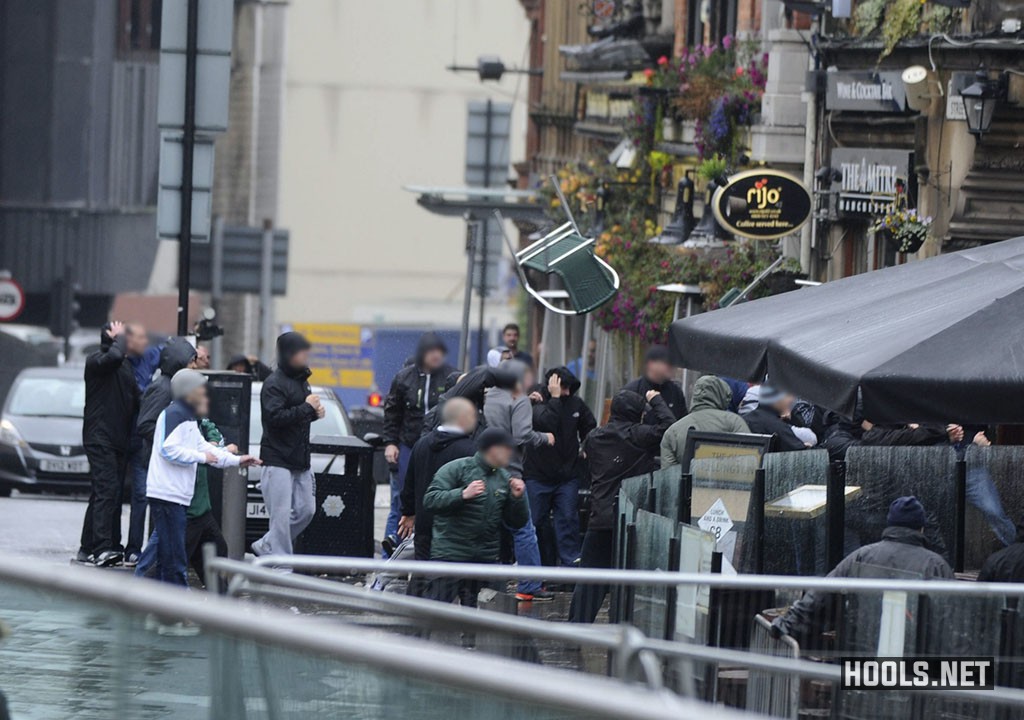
(775, 668)
(455, 672)
(631, 655)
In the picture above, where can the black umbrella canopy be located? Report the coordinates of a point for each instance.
(940, 340)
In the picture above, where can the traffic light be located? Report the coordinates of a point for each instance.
(64, 306)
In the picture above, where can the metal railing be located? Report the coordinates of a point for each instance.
(575, 694)
(632, 655)
(351, 566)
(665, 650)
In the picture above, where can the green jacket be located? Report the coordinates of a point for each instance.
(201, 497)
(470, 530)
(708, 413)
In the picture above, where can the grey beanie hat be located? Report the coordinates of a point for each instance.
(185, 381)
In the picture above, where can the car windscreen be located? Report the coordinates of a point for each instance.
(48, 397)
(332, 423)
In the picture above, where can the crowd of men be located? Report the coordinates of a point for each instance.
(480, 459)
(473, 450)
(146, 420)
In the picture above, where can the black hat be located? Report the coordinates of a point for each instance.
(494, 436)
(657, 353)
(906, 512)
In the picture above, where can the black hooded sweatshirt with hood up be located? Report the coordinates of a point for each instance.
(431, 452)
(567, 418)
(285, 413)
(111, 395)
(621, 449)
(414, 392)
(174, 356)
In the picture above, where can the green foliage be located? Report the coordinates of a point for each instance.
(902, 21)
(898, 20)
(712, 168)
(867, 16)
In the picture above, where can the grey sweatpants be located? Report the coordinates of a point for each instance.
(291, 502)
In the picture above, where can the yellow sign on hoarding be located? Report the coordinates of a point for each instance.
(342, 354)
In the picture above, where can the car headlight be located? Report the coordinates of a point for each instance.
(9, 435)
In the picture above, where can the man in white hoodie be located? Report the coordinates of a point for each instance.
(178, 449)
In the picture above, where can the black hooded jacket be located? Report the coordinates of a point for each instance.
(928, 434)
(621, 449)
(414, 392)
(670, 391)
(472, 386)
(429, 454)
(174, 356)
(111, 395)
(567, 418)
(764, 420)
(286, 414)
(1006, 565)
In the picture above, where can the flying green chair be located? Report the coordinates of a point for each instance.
(565, 252)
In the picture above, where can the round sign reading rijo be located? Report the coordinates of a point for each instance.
(762, 204)
(12, 299)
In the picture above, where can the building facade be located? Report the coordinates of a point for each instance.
(78, 148)
(362, 119)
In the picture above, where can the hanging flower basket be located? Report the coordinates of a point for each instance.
(905, 229)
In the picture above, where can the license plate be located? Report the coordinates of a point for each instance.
(256, 510)
(75, 467)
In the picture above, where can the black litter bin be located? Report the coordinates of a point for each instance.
(345, 489)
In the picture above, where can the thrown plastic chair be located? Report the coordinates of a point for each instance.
(565, 252)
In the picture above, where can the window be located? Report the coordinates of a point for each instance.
(138, 27)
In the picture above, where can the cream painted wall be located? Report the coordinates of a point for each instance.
(369, 107)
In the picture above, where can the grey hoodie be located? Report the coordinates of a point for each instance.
(515, 416)
(708, 413)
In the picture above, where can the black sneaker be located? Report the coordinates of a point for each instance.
(84, 558)
(390, 544)
(108, 558)
(536, 596)
(131, 560)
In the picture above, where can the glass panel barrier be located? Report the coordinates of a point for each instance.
(886, 473)
(794, 512)
(995, 495)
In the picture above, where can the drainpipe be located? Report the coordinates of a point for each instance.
(810, 142)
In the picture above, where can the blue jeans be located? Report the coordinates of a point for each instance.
(397, 479)
(147, 561)
(563, 497)
(137, 522)
(169, 524)
(524, 542)
(982, 494)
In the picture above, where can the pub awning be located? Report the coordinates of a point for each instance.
(939, 340)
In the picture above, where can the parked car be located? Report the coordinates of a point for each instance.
(41, 432)
(335, 422)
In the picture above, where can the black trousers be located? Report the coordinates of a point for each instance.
(598, 552)
(446, 589)
(198, 532)
(101, 529)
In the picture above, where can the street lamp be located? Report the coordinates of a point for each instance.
(490, 67)
(980, 99)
